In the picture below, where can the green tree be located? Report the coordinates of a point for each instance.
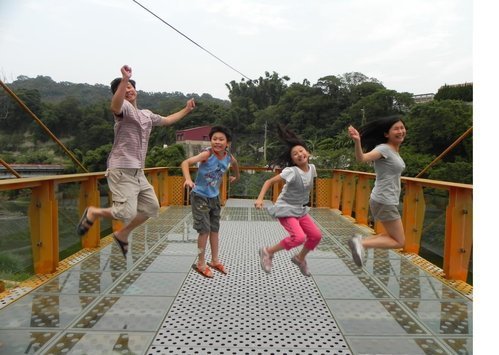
(462, 92)
(333, 158)
(96, 159)
(381, 103)
(13, 117)
(415, 161)
(95, 127)
(36, 157)
(249, 97)
(260, 93)
(61, 119)
(432, 127)
(458, 171)
(171, 156)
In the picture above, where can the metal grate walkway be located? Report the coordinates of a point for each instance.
(153, 303)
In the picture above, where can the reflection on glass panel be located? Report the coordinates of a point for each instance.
(15, 241)
(432, 239)
(433, 236)
(67, 196)
(16, 259)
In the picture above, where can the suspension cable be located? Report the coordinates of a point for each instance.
(444, 153)
(42, 125)
(204, 49)
(9, 168)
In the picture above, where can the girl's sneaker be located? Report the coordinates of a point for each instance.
(302, 265)
(355, 244)
(265, 260)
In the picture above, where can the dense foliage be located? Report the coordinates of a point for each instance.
(79, 115)
(463, 92)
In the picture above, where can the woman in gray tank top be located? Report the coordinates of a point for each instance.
(379, 142)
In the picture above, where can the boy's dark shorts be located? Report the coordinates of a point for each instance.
(205, 213)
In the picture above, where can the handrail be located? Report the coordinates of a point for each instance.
(440, 184)
(348, 191)
(343, 190)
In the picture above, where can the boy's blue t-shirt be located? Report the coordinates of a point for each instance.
(210, 174)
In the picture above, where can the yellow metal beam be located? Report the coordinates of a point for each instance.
(363, 191)
(90, 196)
(336, 190)
(458, 234)
(413, 216)
(44, 228)
(348, 194)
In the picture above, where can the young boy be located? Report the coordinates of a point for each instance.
(205, 201)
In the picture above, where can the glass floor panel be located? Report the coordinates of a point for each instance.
(153, 302)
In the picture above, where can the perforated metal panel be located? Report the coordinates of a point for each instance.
(249, 311)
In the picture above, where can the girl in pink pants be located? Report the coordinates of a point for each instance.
(291, 206)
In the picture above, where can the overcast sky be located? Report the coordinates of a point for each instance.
(413, 46)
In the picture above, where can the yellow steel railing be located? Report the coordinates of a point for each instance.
(347, 191)
(43, 209)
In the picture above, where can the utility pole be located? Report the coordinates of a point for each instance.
(265, 144)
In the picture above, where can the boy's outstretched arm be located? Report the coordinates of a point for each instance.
(188, 162)
(235, 170)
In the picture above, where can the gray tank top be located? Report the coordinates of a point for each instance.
(388, 171)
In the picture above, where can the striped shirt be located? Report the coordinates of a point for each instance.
(131, 137)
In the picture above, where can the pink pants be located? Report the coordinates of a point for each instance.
(301, 230)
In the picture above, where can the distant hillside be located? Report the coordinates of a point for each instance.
(55, 92)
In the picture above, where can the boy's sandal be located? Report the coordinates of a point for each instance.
(206, 272)
(84, 224)
(219, 267)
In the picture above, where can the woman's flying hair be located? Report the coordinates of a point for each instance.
(373, 133)
(289, 140)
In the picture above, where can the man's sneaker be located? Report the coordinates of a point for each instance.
(355, 244)
(265, 260)
(302, 265)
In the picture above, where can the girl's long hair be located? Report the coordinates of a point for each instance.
(373, 133)
(288, 140)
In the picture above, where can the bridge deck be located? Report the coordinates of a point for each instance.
(154, 303)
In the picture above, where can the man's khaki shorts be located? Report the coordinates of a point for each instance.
(132, 193)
